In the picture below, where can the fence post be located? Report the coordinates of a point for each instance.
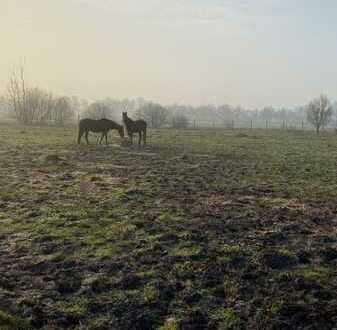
(232, 124)
(251, 124)
(194, 123)
(266, 124)
(213, 124)
(302, 125)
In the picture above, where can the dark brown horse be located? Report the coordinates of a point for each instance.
(135, 126)
(98, 126)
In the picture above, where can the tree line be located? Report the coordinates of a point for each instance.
(33, 105)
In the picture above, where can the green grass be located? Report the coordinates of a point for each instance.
(226, 317)
(9, 322)
(207, 226)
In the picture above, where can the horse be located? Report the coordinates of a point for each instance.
(98, 126)
(135, 126)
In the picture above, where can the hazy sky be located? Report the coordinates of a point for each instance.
(247, 52)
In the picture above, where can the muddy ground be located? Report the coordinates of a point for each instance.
(200, 230)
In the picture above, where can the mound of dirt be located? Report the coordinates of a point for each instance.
(53, 158)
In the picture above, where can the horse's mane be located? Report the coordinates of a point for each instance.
(128, 119)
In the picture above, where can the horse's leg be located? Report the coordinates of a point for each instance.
(86, 136)
(144, 136)
(140, 138)
(131, 138)
(106, 138)
(80, 133)
(101, 139)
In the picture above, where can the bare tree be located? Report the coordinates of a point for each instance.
(17, 93)
(180, 121)
(77, 106)
(4, 107)
(98, 110)
(40, 105)
(154, 114)
(31, 105)
(62, 110)
(319, 112)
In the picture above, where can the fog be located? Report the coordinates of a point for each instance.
(168, 164)
(253, 54)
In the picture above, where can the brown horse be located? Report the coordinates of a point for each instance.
(98, 126)
(135, 126)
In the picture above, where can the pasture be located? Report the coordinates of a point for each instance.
(202, 229)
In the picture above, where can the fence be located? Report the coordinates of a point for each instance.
(256, 124)
(220, 124)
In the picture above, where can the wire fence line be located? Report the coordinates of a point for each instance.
(257, 124)
(211, 134)
(217, 124)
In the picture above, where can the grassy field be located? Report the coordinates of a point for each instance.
(200, 230)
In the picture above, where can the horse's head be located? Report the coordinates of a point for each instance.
(121, 131)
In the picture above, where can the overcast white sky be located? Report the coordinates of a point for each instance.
(248, 52)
